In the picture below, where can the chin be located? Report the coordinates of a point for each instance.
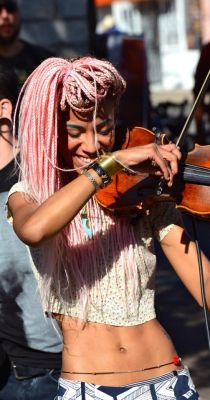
(78, 163)
(79, 168)
(9, 38)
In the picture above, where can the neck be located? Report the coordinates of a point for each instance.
(7, 147)
(11, 49)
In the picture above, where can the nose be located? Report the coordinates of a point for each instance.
(90, 143)
(4, 13)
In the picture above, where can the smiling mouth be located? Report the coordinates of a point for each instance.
(85, 160)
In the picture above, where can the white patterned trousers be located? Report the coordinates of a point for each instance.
(175, 385)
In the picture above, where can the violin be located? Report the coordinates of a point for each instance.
(131, 193)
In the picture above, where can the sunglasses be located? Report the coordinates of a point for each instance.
(9, 6)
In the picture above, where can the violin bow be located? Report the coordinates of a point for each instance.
(186, 125)
(194, 108)
(198, 250)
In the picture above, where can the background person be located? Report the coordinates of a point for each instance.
(96, 270)
(31, 345)
(22, 56)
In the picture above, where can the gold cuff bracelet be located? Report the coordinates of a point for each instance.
(109, 164)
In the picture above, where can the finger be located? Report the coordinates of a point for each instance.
(166, 158)
(171, 158)
(169, 174)
(174, 149)
(171, 177)
(159, 161)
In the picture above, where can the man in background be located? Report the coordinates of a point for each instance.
(23, 57)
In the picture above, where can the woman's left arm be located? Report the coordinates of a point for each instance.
(181, 252)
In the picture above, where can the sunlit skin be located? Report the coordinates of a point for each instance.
(80, 142)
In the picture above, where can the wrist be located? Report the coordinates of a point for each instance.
(109, 163)
(123, 161)
(94, 178)
(105, 166)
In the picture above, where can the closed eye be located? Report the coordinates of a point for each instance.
(74, 130)
(74, 134)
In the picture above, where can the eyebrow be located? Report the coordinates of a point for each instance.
(105, 121)
(69, 125)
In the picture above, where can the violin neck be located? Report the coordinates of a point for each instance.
(195, 174)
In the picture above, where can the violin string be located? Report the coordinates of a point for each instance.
(126, 168)
(196, 174)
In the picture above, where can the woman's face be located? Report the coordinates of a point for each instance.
(76, 142)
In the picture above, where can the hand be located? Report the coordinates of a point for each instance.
(152, 158)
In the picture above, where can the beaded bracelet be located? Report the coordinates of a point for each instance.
(91, 179)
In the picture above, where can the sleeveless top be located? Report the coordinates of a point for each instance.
(114, 303)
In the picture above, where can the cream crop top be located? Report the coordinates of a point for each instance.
(114, 304)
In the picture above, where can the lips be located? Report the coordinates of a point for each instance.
(6, 26)
(6, 29)
(82, 162)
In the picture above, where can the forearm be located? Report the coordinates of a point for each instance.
(185, 263)
(182, 254)
(56, 212)
(35, 224)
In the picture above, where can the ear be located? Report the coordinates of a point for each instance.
(6, 109)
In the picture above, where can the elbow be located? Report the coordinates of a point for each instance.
(207, 304)
(32, 236)
(201, 303)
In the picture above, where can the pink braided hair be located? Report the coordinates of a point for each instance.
(82, 84)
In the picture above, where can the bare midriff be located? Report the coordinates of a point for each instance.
(97, 348)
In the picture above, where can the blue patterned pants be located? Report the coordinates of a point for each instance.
(175, 385)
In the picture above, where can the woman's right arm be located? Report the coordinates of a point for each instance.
(34, 224)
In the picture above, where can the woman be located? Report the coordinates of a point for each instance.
(96, 271)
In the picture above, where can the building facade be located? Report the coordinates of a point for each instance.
(173, 31)
(63, 26)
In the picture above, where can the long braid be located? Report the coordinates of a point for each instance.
(82, 84)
